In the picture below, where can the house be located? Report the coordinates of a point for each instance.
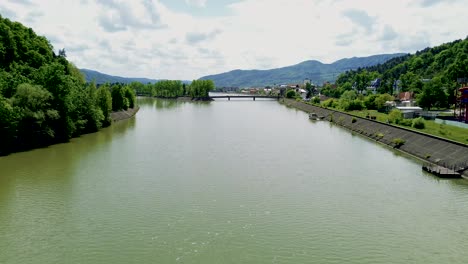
(374, 85)
(406, 99)
(302, 93)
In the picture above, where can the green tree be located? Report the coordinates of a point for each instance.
(104, 103)
(382, 99)
(433, 95)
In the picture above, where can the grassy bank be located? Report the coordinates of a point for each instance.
(454, 133)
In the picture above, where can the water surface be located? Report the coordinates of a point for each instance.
(226, 182)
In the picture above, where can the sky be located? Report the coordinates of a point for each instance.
(188, 39)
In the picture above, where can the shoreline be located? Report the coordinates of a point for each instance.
(124, 114)
(425, 147)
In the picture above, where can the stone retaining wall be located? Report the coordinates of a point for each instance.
(125, 114)
(437, 150)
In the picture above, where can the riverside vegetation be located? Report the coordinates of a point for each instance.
(44, 99)
(431, 75)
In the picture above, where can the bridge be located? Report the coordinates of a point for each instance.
(276, 97)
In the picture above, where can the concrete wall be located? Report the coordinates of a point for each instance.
(441, 151)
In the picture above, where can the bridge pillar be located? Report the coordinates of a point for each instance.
(254, 98)
(229, 98)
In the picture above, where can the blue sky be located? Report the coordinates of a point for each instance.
(201, 8)
(188, 39)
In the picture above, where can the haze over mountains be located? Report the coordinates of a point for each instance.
(316, 71)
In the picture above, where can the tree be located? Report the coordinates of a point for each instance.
(433, 95)
(201, 88)
(104, 102)
(381, 100)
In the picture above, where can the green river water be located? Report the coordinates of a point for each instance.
(226, 182)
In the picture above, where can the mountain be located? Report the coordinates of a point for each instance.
(101, 78)
(316, 71)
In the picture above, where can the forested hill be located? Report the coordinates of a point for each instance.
(439, 66)
(101, 78)
(316, 71)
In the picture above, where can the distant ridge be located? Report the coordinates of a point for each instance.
(101, 78)
(316, 71)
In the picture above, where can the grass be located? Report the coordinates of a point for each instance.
(454, 133)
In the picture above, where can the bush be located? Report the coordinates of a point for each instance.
(291, 94)
(316, 100)
(398, 142)
(330, 103)
(405, 122)
(353, 120)
(419, 123)
(395, 116)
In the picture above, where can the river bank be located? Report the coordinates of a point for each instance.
(124, 114)
(444, 152)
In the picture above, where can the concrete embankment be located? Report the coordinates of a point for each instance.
(430, 148)
(125, 114)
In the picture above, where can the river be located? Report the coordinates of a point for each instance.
(226, 182)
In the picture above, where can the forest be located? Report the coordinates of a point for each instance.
(431, 74)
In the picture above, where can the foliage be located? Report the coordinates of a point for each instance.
(419, 123)
(291, 94)
(433, 95)
(44, 98)
(333, 103)
(398, 142)
(395, 116)
(431, 74)
(381, 99)
(404, 122)
(200, 88)
(353, 120)
(316, 100)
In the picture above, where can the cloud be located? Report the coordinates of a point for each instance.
(7, 12)
(110, 24)
(33, 16)
(428, 3)
(360, 18)
(120, 16)
(388, 33)
(169, 40)
(22, 2)
(194, 37)
(198, 3)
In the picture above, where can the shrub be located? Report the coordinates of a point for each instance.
(354, 120)
(316, 100)
(398, 142)
(405, 122)
(330, 103)
(395, 116)
(419, 123)
(291, 94)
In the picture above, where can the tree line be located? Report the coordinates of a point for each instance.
(44, 98)
(174, 89)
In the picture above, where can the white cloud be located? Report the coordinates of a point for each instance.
(145, 38)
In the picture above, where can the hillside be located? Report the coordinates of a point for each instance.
(101, 78)
(441, 65)
(314, 70)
